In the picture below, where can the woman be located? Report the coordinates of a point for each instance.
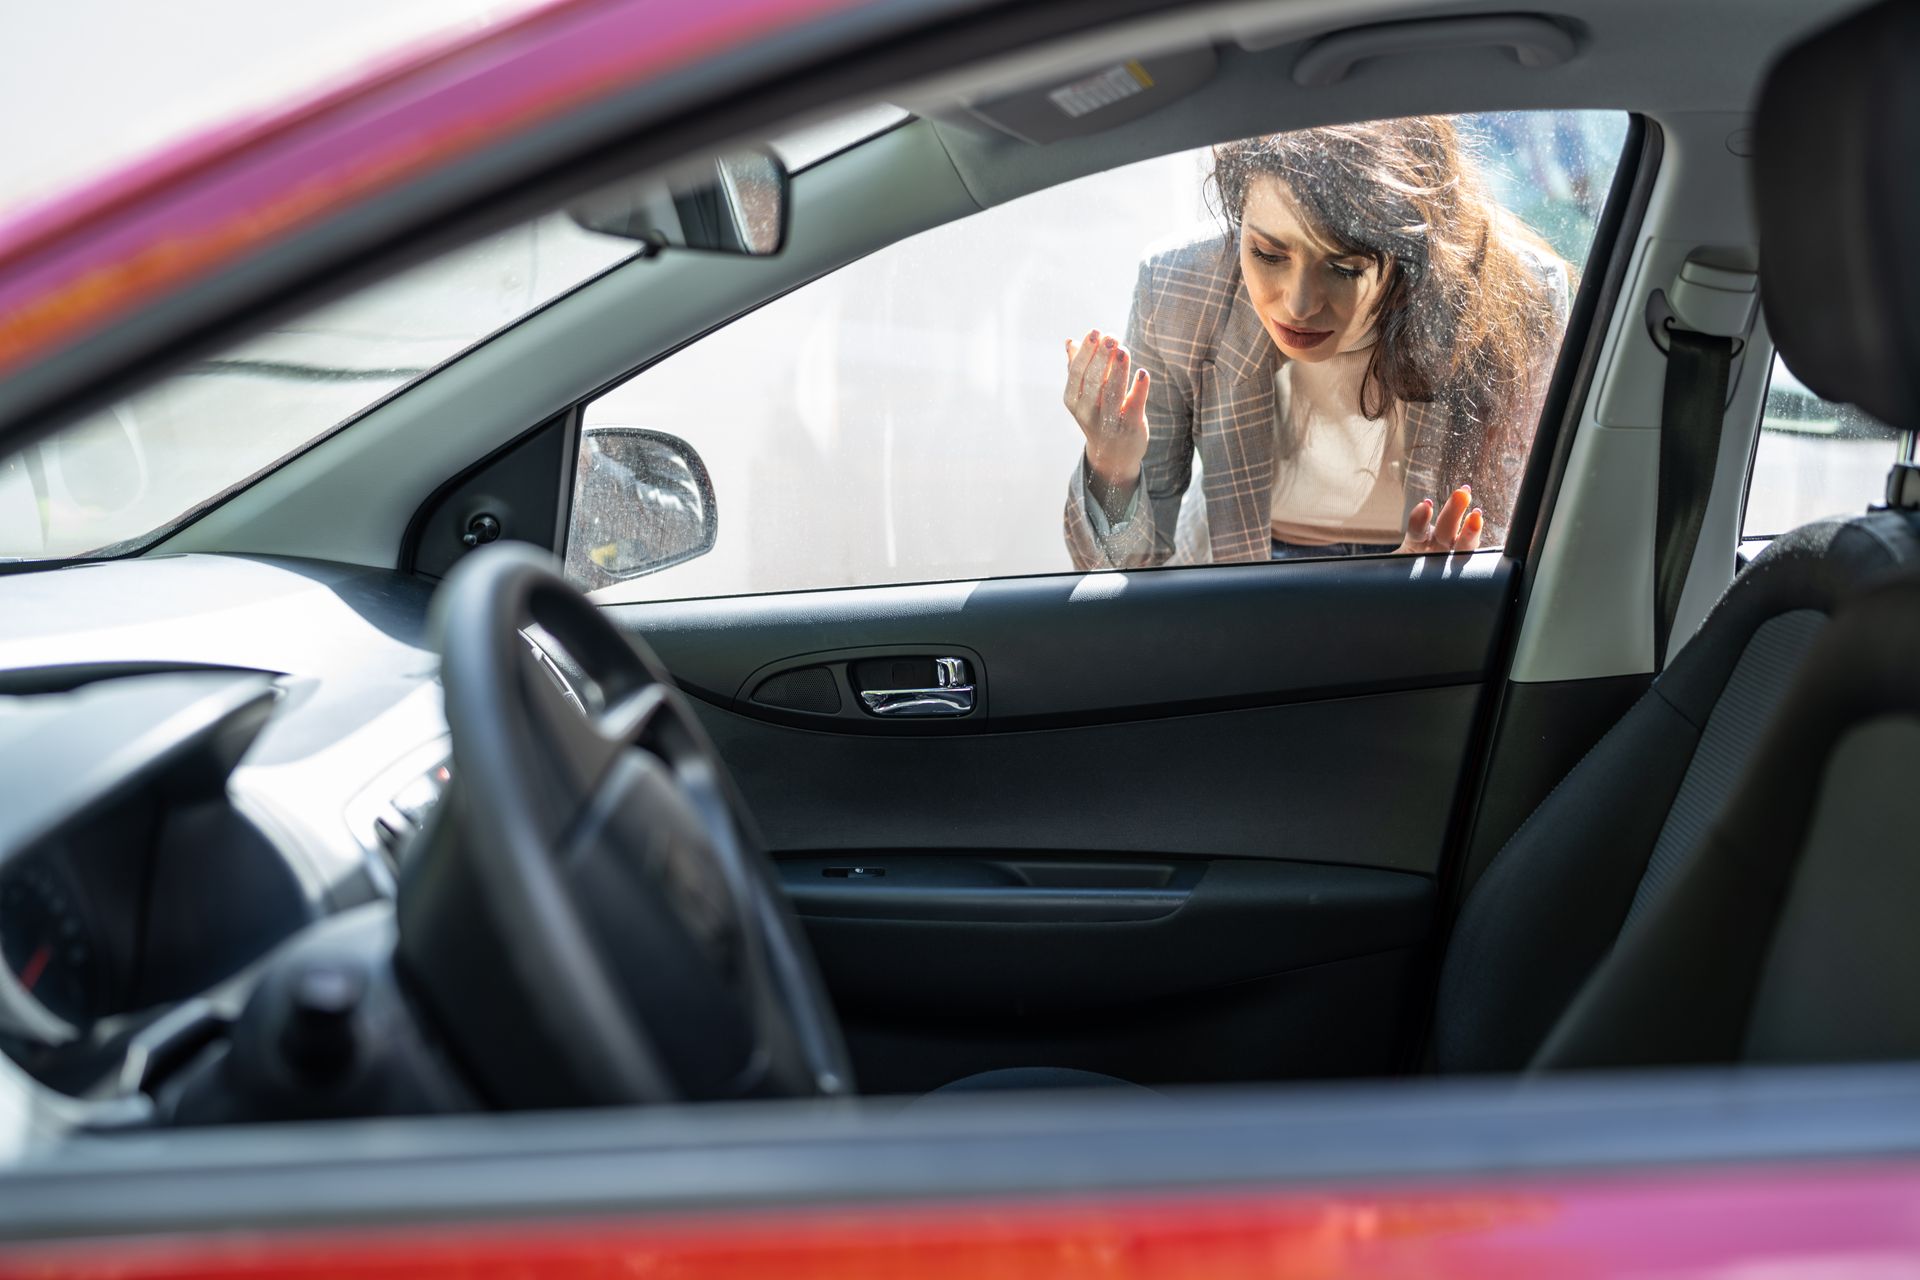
(1371, 327)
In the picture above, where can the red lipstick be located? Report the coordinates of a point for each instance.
(1301, 339)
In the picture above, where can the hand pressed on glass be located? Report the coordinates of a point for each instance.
(1457, 527)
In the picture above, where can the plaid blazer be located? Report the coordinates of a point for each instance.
(1194, 330)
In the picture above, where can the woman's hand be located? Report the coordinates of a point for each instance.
(1107, 396)
(1456, 528)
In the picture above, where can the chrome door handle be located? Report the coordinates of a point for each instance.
(951, 695)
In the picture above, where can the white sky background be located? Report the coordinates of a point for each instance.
(86, 84)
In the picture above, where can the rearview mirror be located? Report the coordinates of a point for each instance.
(642, 502)
(735, 203)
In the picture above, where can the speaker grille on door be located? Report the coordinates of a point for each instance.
(808, 689)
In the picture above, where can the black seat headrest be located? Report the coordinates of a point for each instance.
(1837, 190)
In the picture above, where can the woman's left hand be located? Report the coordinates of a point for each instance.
(1456, 527)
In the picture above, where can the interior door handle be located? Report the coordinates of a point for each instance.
(952, 694)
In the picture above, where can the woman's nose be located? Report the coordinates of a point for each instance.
(1302, 300)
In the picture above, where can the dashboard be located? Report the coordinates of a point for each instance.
(199, 756)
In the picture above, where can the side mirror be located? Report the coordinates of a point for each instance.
(736, 203)
(642, 502)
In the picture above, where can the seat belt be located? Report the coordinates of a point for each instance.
(1693, 406)
(1703, 328)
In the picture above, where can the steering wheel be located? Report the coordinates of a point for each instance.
(587, 916)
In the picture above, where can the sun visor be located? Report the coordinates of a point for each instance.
(1101, 98)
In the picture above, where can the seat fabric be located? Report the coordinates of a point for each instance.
(1628, 818)
(1789, 936)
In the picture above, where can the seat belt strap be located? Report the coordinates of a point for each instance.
(1692, 408)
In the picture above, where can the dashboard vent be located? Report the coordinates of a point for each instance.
(810, 689)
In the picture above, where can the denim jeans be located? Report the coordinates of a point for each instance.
(1300, 551)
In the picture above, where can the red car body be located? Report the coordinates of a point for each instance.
(74, 268)
(1830, 1222)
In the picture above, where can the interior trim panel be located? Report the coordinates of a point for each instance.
(1077, 649)
(1359, 781)
(1227, 921)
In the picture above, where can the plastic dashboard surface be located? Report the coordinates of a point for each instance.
(287, 616)
(344, 647)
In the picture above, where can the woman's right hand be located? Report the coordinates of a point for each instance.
(1107, 396)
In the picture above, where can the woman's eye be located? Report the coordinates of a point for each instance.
(1263, 255)
(1348, 273)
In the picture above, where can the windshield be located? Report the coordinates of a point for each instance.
(129, 473)
(132, 473)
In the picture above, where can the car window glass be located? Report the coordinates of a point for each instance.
(115, 480)
(1814, 458)
(903, 420)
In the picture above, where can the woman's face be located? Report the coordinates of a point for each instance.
(1315, 299)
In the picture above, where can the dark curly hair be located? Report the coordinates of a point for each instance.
(1464, 317)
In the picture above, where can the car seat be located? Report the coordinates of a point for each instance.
(1786, 934)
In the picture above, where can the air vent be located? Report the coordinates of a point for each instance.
(810, 689)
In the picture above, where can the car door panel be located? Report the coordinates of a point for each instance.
(1192, 831)
(1335, 1020)
(1023, 948)
(1360, 780)
(942, 964)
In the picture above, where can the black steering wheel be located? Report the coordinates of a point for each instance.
(588, 917)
